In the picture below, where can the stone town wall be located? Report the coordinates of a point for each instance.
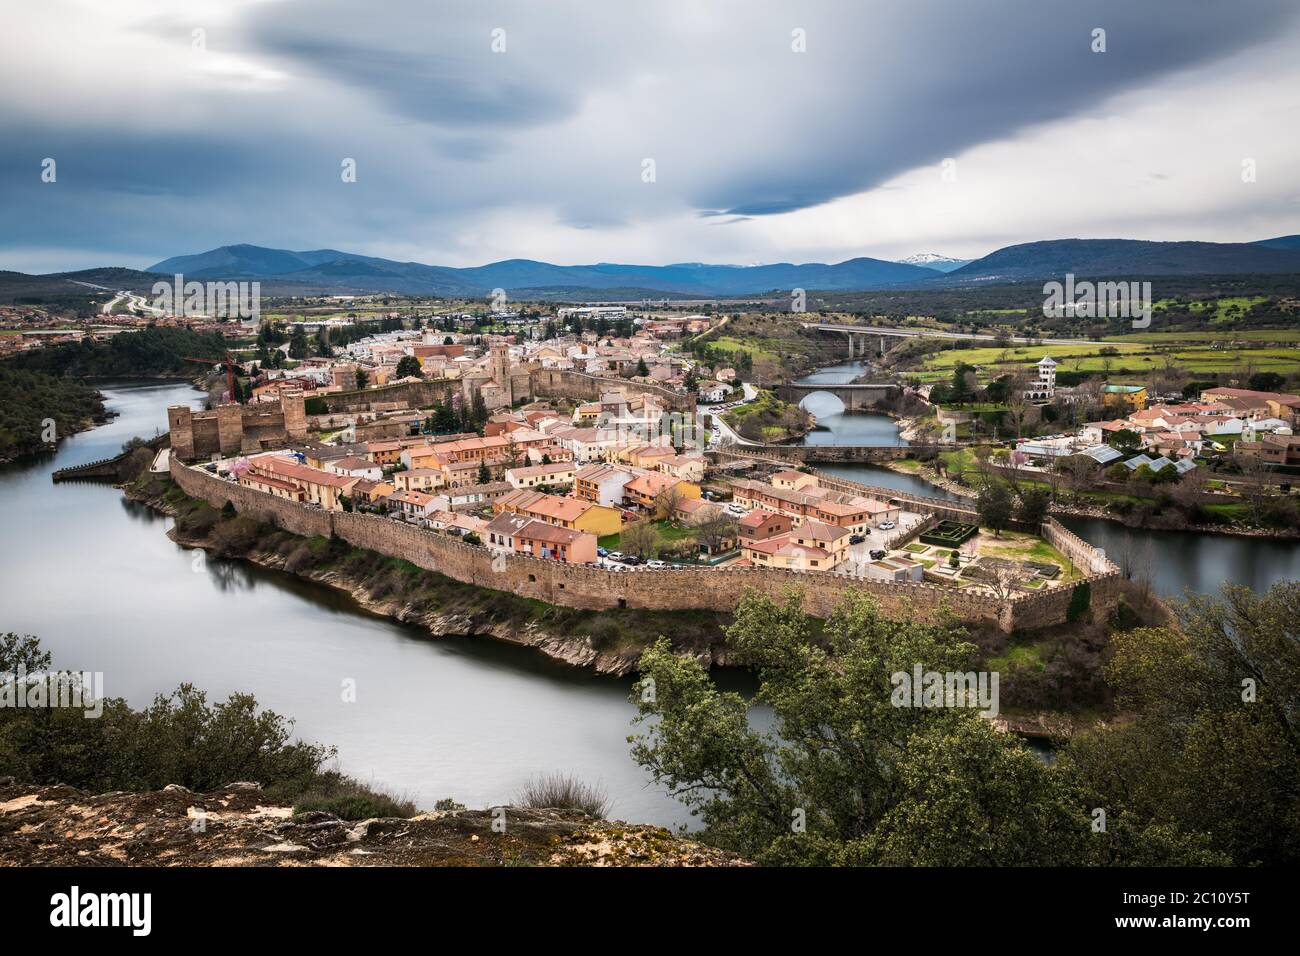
(596, 588)
(581, 387)
(393, 397)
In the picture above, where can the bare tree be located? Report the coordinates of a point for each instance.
(666, 502)
(640, 538)
(715, 530)
(1255, 485)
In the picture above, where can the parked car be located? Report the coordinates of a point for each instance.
(602, 552)
(613, 555)
(656, 565)
(887, 526)
(857, 538)
(877, 554)
(630, 559)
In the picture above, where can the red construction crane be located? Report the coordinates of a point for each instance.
(229, 362)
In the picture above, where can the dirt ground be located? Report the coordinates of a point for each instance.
(239, 826)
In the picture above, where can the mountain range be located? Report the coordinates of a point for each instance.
(523, 278)
(331, 268)
(330, 271)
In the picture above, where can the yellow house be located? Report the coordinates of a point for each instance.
(562, 512)
(792, 480)
(1134, 395)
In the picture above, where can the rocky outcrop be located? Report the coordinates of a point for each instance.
(239, 825)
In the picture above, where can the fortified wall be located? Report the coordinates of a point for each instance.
(387, 398)
(237, 429)
(581, 387)
(581, 586)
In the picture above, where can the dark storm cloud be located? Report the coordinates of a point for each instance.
(448, 132)
(881, 88)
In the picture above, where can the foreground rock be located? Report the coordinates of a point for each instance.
(240, 826)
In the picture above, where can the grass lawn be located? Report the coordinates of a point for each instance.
(668, 532)
(1027, 547)
(1020, 655)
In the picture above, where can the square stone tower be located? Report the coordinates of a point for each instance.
(500, 365)
(294, 407)
(180, 424)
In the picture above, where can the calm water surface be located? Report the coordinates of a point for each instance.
(96, 579)
(1177, 560)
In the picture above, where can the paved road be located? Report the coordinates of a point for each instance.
(728, 433)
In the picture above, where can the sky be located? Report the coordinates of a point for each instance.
(737, 131)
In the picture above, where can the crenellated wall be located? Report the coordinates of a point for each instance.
(581, 387)
(582, 586)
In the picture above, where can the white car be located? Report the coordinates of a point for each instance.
(887, 526)
(656, 565)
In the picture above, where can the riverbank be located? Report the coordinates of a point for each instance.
(38, 411)
(606, 642)
(913, 468)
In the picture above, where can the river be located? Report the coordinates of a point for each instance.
(1175, 560)
(94, 576)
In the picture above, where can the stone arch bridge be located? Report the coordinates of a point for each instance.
(854, 397)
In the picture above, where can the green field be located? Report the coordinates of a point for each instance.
(1136, 356)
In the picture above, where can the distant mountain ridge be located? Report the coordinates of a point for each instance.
(328, 267)
(932, 261)
(1129, 259)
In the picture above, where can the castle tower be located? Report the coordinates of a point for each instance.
(180, 424)
(294, 408)
(230, 428)
(500, 366)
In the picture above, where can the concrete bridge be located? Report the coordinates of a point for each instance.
(864, 337)
(854, 397)
(803, 454)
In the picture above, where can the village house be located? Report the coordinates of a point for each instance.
(500, 532)
(371, 492)
(602, 484)
(319, 487)
(418, 479)
(856, 513)
(812, 546)
(562, 512)
(760, 525)
(686, 467)
(356, 467)
(555, 475)
(415, 505)
(645, 489)
(543, 540)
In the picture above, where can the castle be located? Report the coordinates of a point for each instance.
(237, 429)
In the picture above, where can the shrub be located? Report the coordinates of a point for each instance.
(350, 799)
(556, 791)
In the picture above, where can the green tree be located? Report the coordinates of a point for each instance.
(994, 505)
(1032, 505)
(845, 776)
(362, 378)
(1207, 767)
(409, 366)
